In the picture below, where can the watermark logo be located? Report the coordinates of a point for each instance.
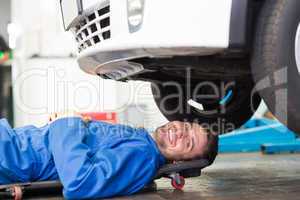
(208, 102)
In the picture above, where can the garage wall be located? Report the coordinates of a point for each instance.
(44, 86)
(40, 29)
(46, 75)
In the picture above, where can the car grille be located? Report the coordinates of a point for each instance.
(94, 28)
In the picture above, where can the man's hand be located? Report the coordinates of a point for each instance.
(59, 115)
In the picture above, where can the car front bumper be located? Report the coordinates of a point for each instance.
(169, 28)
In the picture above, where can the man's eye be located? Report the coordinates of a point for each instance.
(186, 127)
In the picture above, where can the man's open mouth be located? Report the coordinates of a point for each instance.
(172, 137)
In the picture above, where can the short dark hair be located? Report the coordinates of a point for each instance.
(212, 148)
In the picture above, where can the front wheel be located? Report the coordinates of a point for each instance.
(276, 59)
(216, 105)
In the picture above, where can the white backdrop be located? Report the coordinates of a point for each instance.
(43, 86)
(46, 79)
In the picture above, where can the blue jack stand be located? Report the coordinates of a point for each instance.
(264, 135)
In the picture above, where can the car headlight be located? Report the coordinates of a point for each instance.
(135, 9)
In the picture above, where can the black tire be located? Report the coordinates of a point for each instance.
(174, 105)
(274, 65)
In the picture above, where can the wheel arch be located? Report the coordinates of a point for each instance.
(244, 14)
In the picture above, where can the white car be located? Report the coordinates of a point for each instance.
(204, 57)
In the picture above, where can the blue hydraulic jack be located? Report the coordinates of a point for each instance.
(264, 135)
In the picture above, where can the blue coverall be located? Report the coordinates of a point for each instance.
(92, 160)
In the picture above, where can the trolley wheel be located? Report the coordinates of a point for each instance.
(178, 184)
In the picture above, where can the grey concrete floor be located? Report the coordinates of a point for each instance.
(235, 177)
(239, 176)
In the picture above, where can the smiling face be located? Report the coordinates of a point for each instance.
(181, 140)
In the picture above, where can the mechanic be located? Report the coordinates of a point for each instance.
(93, 159)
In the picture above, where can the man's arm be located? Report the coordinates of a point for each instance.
(104, 173)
